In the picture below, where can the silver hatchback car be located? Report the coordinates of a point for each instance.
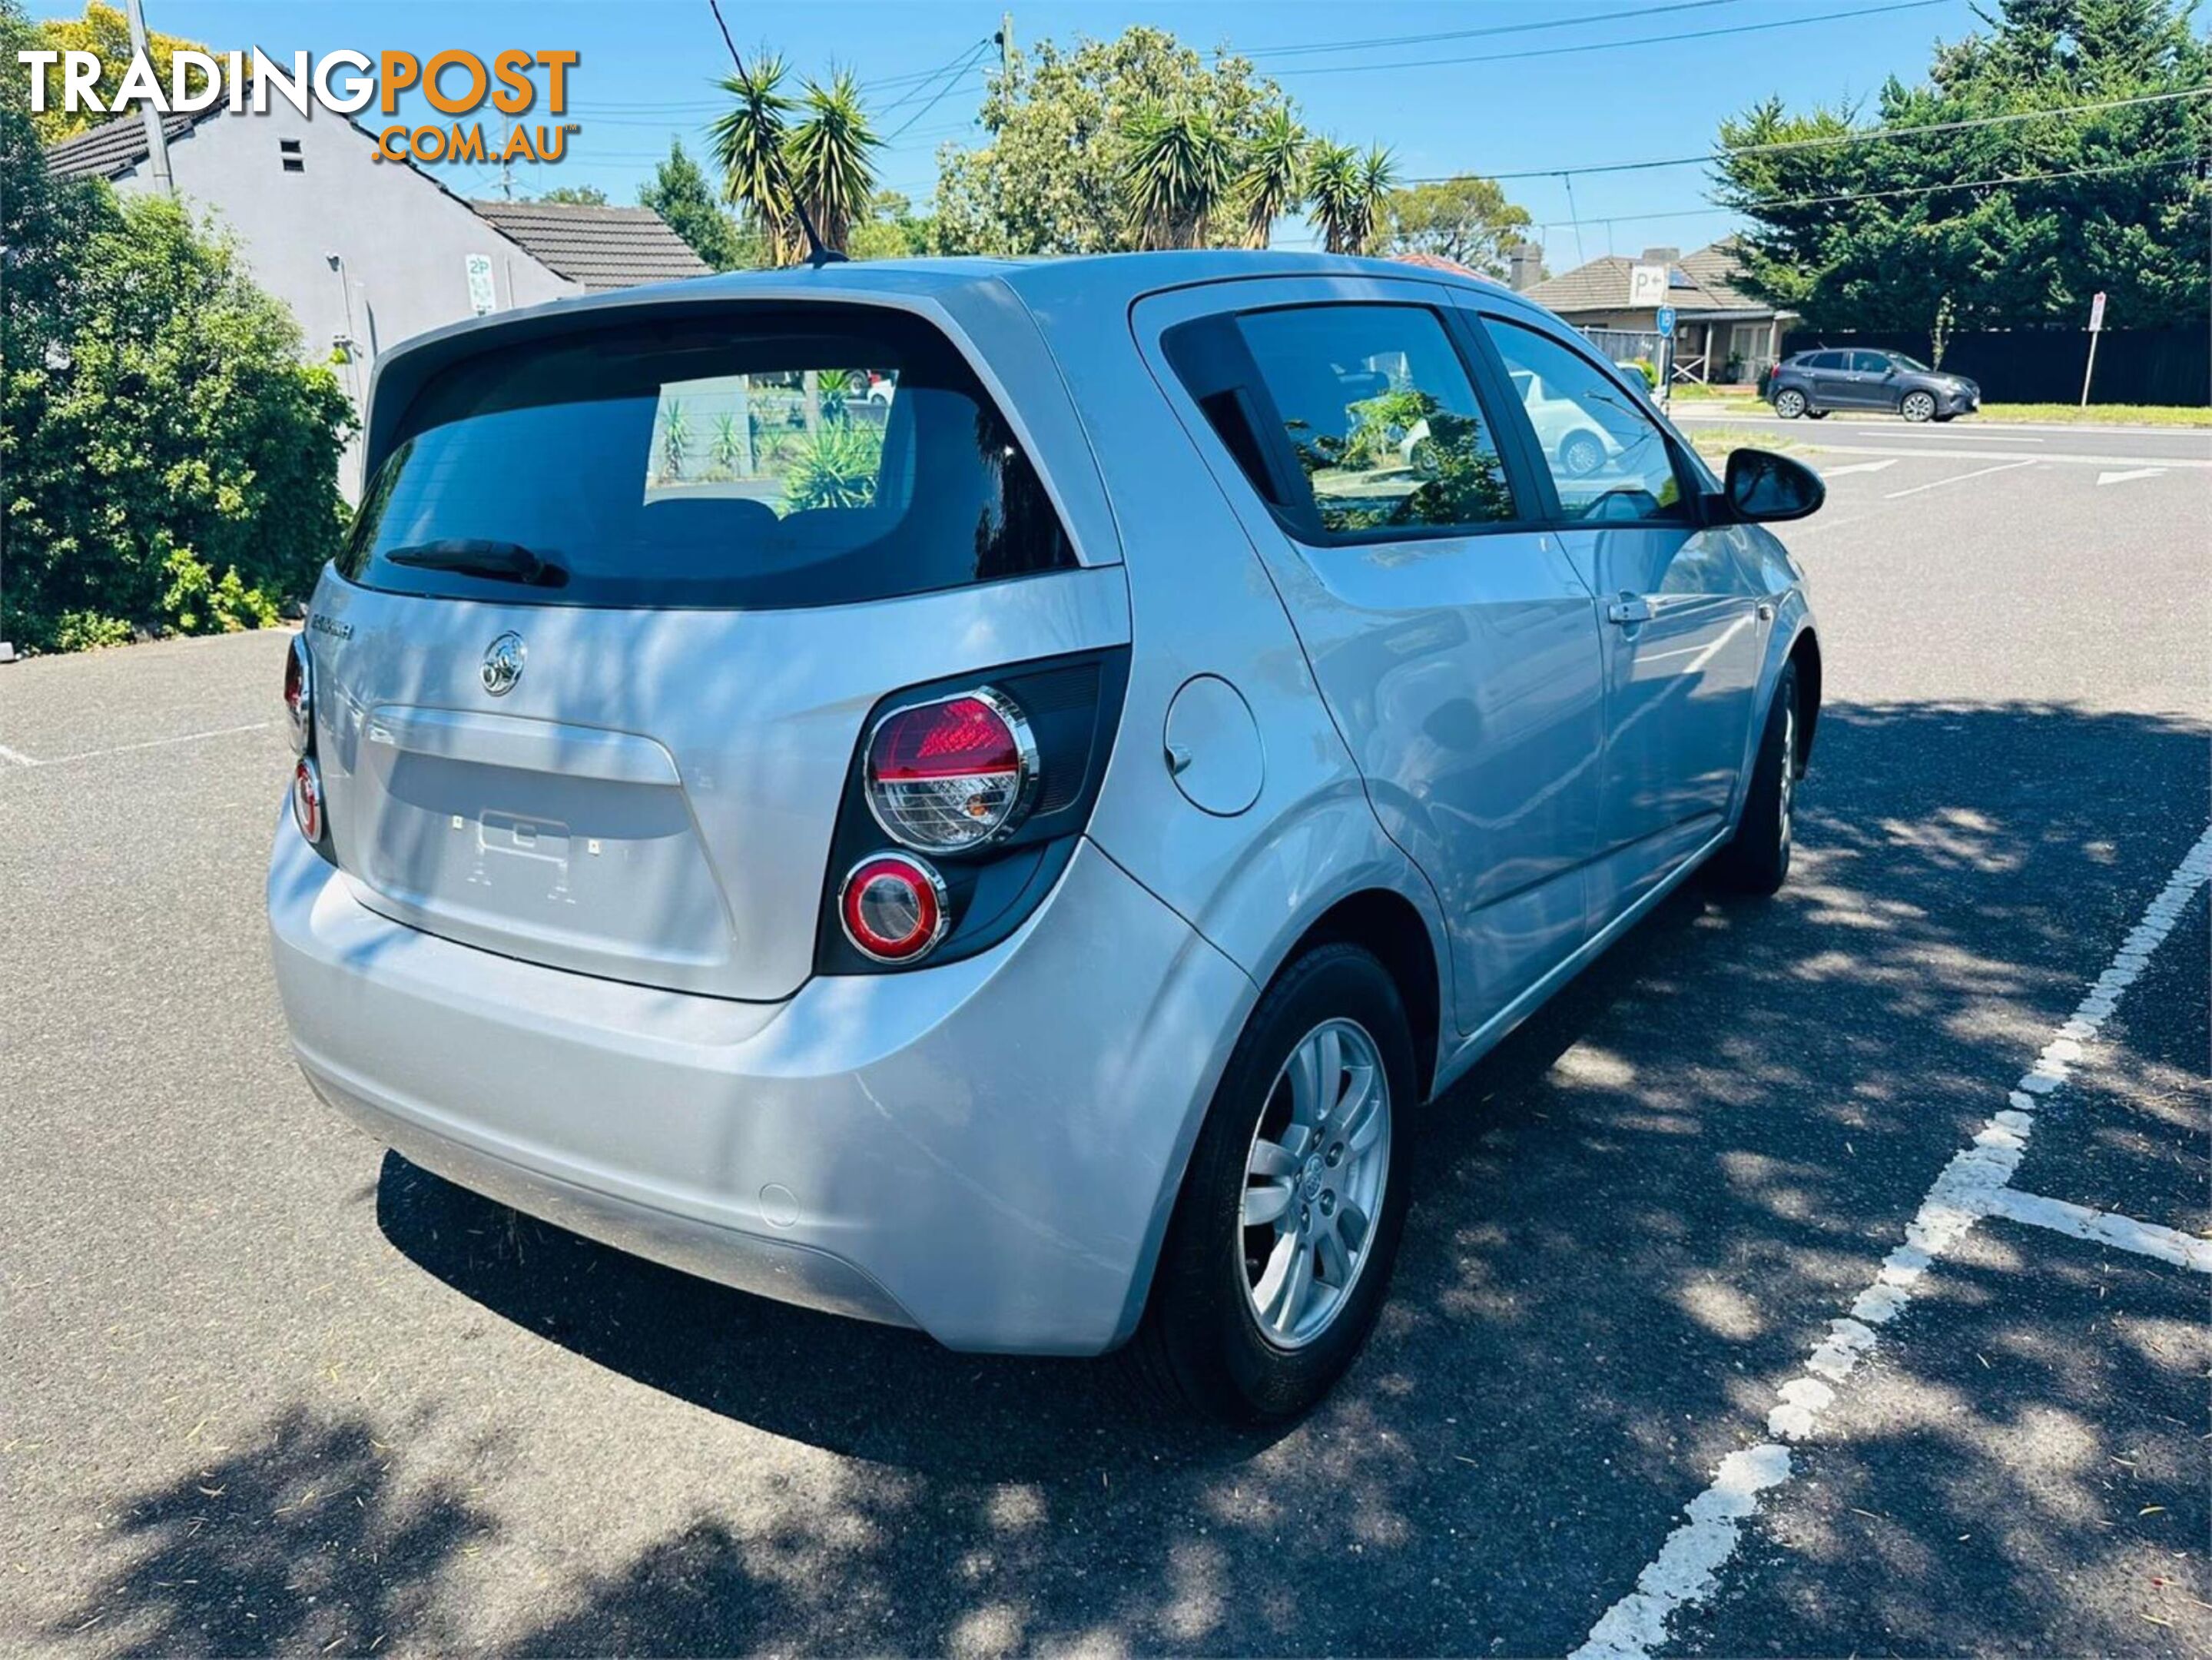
(984, 795)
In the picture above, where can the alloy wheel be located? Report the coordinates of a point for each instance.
(1918, 406)
(1790, 404)
(1582, 455)
(1786, 797)
(1315, 1180)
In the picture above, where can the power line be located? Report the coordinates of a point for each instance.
(981, 48)
(1617, 45)
(1374, 43)
(1870, 137)
(958, 64)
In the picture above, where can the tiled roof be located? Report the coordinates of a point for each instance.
(598, 248)
(1438, 262)
(115, 147)
(1699, 281)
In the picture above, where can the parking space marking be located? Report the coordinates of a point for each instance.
(1857, 467)
(2145, 1238)
(21, 759)
(2132, 472)
(1972, 1186)
(15, 755)
(1959, 478)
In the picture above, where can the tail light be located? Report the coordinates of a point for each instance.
(980, 784)
(299, 695)
(894, 907)
(952, 775)
(308, 798)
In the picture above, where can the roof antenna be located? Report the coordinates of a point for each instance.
(818, 255)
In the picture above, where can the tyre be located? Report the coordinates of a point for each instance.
(1917, 407)
(1581, 454)
(1757, 858)
(1279, 1256)
(1789, 403)
(1816, 415)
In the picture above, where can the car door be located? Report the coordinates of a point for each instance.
(1876, 380)
(1830, 373)
(1681, 620)
(1450, 636)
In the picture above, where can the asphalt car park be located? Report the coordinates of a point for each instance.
(263, 1386)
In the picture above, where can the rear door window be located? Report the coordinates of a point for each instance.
(775, 460)
(1380, 416)
(1869, 362)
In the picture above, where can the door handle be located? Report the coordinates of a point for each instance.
(1628, 611)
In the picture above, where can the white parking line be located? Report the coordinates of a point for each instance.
(2145, 1238)
(1857, 467)
(1959, 478)
(1972, 1186)
(23, 760)
(16, 755)
(2132, 472)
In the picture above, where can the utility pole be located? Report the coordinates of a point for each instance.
(1005, 43)
(157, 142)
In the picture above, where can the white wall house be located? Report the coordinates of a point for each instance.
(367, 252)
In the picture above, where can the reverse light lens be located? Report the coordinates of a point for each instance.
(893, 908)
(949, 775)
(299, 695)
(308, 798)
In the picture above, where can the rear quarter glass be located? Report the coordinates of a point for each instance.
(777, 459)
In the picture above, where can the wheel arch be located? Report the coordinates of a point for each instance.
(1385, 922)
(1805, 655)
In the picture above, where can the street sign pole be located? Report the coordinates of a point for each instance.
(2096, 328)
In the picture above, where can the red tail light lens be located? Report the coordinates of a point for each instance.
(299, 695)
(308, 798)
(946, 776)
(894, 907)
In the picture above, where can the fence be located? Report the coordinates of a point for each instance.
(2044, 366)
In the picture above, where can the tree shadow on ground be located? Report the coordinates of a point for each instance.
(1629, 1225)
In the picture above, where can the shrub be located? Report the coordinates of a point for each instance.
(834, 467)
(172, 464)
(87, 630)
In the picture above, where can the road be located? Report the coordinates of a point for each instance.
(264, 1387)
(2051, 443)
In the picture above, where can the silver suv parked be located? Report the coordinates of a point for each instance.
(985, 796)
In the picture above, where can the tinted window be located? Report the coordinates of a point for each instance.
(1869, 362)
(1608, 458)
(782, 459)
(1381, 416)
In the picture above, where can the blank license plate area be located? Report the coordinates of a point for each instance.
(613, 867)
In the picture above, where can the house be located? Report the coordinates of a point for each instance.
(367, 252)
(1721, 333)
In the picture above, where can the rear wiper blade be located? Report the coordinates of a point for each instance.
(503, 560)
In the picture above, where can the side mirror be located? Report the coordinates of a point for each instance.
(1764, 488)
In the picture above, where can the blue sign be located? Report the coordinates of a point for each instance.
(1665, 322)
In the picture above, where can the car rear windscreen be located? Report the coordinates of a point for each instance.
(780, 459)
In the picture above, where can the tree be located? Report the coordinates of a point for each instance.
(1348, 188)
(582, 196)
(1175, 171)
(1466, 220)
(770, 162)
(104, 31)
(748, 140)
(1877, 235)
(1271, 183)
(680, 193)
(829, 158)
(173, 464)
(891, 230)
(1049, 180)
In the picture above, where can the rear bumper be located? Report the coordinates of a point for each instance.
(986, 1151)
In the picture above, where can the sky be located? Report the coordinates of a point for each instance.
(1522, 86)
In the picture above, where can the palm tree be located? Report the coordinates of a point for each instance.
(829, 158)
(1378, 176)
(1346, 189)
(1176, 166)
(748, 142)
(1271, 182)
(1332, 186)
